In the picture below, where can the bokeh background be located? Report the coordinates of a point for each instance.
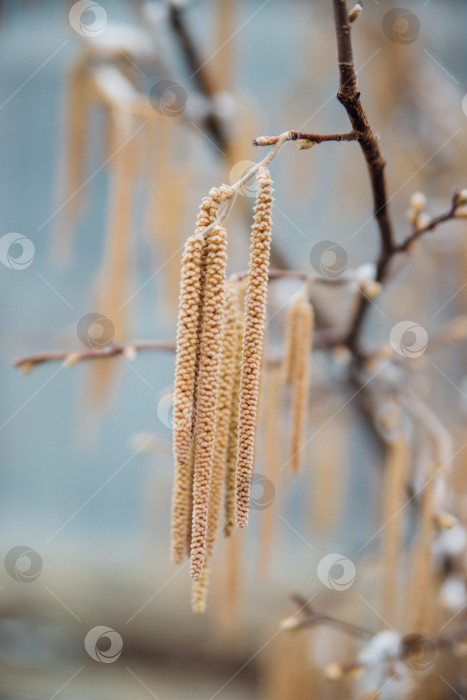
(87, 466)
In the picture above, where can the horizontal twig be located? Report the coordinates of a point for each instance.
(308, 617)
(71, 357)
(301, 136)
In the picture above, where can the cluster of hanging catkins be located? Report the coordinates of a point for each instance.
(220, 354)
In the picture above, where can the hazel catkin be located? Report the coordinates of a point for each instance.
(253, 343)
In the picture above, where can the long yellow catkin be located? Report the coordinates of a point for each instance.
(224, 410)
(207, 391)
(190, 318)
(74, 166)
(187, 338)
(290, 335)
(421, 579)
(190, 323)
(302, 341)
(113, 289)
(255, 322)
(232, 443)
(394, 496)
(184, 391)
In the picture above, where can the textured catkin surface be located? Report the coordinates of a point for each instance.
(187, 334)
(304, 321)
(232, 439)
(190, 320)
(289, 350)
(184, 390)
(253, 343)
(207, 392)
(224, 411)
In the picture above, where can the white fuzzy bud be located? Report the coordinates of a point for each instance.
(418, 202)
(355, 11)
(423, 220)
(461, 198)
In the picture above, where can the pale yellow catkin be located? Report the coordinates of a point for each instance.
(224, 408)
(304, 320)
(74, 165)
(207, 392)
(186, 369)
(394, 497)
(289, 350)
(189, 327)
(232, 442)
(184, 392)
(223, 414)
(253, 343)
(199, 591)
(113, 284)
(420, 565)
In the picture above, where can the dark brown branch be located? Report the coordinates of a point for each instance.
(198, 73)
(74, 356)
(349, 96)
(212, 122)
(299, 135)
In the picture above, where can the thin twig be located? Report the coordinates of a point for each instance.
(71, 357)
(309, 617)
(298, 135)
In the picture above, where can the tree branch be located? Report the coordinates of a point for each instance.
(299, 135)
(349, 96)
(198, 72)
(71, 357)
